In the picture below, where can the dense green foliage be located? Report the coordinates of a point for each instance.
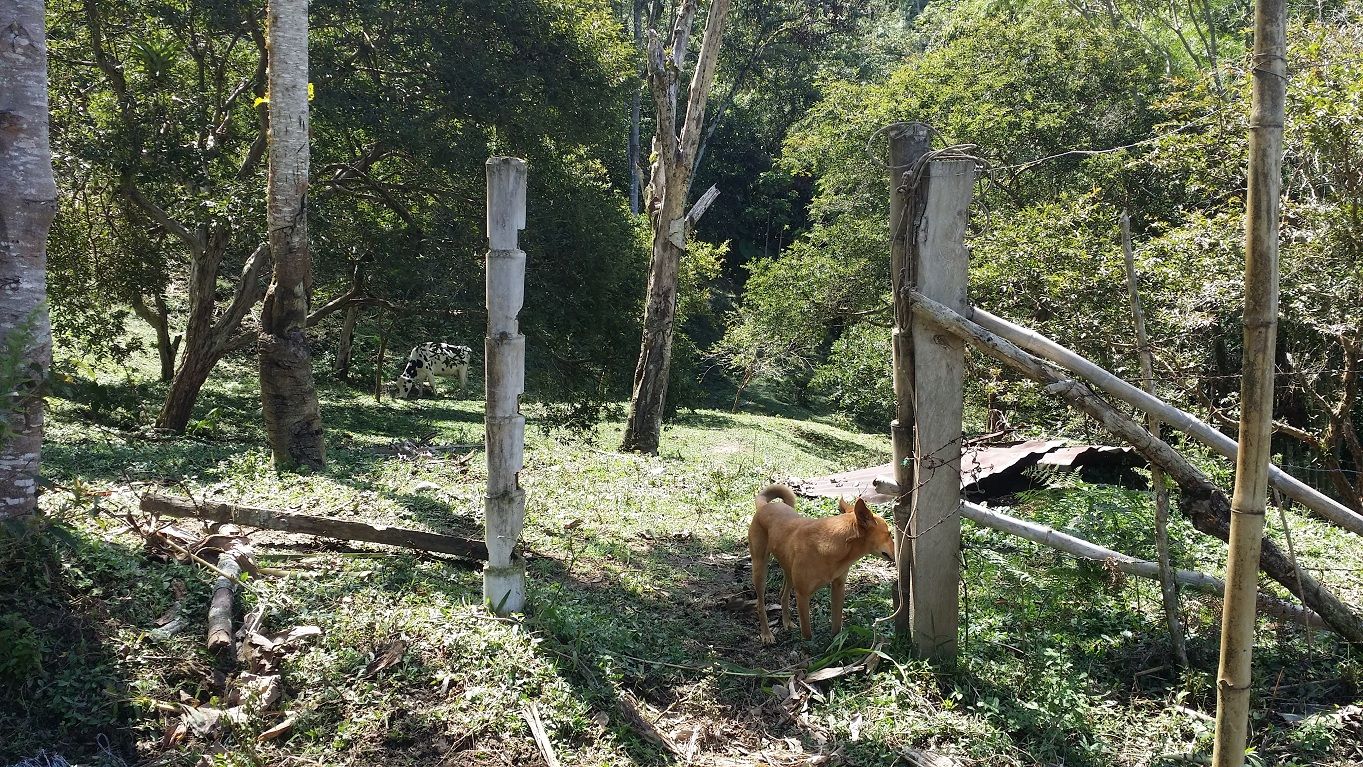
(1080, 111)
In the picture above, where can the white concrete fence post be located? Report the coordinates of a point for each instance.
(504, 573)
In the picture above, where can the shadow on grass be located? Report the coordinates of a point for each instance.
(64, 674)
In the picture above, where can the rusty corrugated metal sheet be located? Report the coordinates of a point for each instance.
(986, 472)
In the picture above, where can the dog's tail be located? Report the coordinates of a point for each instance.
(771, 493)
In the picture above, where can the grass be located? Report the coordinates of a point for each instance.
(634, 565)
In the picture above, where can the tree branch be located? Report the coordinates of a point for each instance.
(248, 292)
(192, 240)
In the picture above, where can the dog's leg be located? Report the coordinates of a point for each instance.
(802, 603)
(839, 590)
(785, 603)
(759, 584)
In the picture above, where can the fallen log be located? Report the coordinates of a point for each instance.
(1200, 500)
(326, 527)
(1322, 505)
(1078, 547)
(220, 607)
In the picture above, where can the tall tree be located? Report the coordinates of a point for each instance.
(1256, 383)
(670, 182)
(154, 106)
(288, 395)
(28, 202)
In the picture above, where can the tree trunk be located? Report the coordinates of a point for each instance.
(28, 202)
(205, 340)
(343, 351)
(1256, 384)
(159, 320)
(667, 211)
(288, 395)
(635, 144)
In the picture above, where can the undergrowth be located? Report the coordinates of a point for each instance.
(638, 582)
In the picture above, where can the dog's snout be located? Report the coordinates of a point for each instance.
(887, 557)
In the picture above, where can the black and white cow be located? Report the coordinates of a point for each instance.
(433, 359)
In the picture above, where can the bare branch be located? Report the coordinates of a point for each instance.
(192, 240)
(249, 291)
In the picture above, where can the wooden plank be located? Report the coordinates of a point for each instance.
(939, 370)
(326, 527)
(908, 143)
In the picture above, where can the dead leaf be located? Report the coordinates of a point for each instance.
(255, 691)
(572, 524)
(854, 728)
(293, 635)
(175, 734)
(279, 729)
(601, 718)
(386, 656)
(201, 721)
(831, 672)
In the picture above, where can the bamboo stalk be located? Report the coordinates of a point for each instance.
(1083, 549)
(1168, 588)
(1322, 505)
(1200, 500)
(1256, 384)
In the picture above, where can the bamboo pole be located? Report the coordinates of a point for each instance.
(1324, 507)
(504, 574)
(1256, 383)
(1078, 547)
(908, 143)
(1168, 588)
(1200, 500)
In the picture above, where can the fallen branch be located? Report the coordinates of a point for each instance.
(1200, 500)
(326, 527)
(1078, 547)
(532, 718)
(220, 608)
(1322, 505)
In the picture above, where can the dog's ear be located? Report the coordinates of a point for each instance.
(865, 517)
(843, 505)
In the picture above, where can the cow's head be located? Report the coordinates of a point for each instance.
(406, 385)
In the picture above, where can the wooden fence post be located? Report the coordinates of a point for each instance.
(504, 366)
(908, 142)
(940, 265)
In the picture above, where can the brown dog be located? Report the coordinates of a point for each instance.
(812, 552)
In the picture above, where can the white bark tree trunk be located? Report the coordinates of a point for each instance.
(672, 169)
(293, 417)
(28, 202)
